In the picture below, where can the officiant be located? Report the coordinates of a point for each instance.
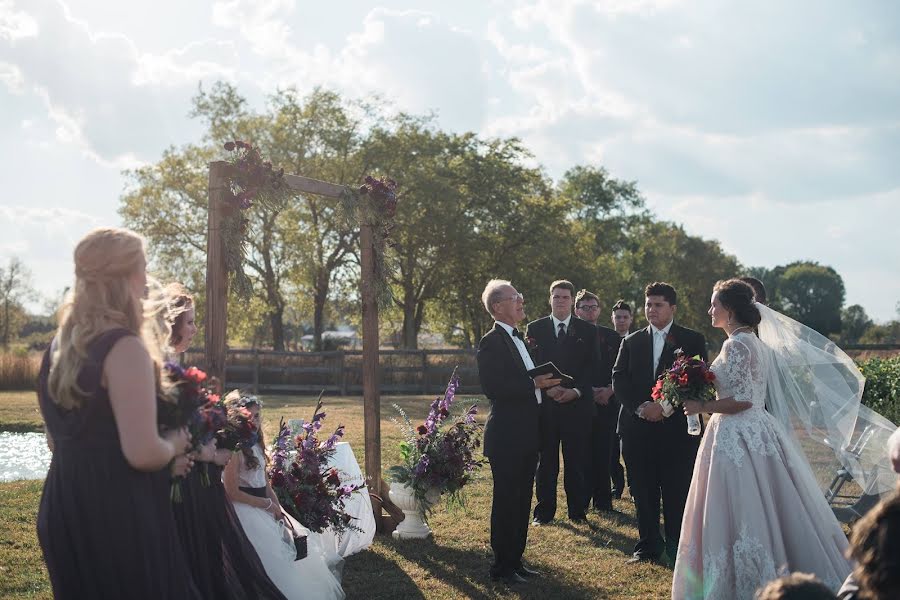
(566, 412)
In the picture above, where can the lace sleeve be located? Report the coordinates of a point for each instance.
(737, 367)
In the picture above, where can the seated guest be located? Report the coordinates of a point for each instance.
(796, 586)
(875, 546)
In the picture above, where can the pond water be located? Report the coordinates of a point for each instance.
(23, 456)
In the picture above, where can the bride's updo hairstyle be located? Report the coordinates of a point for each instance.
(737, 297)
(105, 260)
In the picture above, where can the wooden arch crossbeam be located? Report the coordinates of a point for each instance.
(216, 320)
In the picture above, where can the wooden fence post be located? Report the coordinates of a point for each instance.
(256, 370)
(424, 372)
(342, 375)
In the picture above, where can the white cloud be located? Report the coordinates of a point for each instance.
(15, 24)
(11, 78)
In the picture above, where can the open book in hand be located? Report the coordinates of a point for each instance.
(548, 367)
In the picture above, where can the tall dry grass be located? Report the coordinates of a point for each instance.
(19, 371)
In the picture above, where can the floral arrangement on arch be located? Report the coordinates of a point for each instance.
(439, 457)
(253, 181)
(307, 488)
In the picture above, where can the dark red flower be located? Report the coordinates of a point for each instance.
(422, 430)
(229, 146)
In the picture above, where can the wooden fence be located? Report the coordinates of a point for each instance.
(401, 371)
(340, 371)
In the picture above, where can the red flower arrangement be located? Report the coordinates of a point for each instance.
(193, 405)
(687, 379)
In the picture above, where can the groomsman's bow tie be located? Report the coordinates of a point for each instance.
(518, 334)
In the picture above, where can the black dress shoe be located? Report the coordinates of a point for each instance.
(525, 572)
(509, 578)
(578, 518)
(538, 522)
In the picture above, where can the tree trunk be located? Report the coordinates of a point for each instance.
(276, 319)
(410, 337)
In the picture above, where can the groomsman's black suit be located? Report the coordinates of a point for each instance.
(659, 455)
(511, 445)
(604, 422)
(570, 422)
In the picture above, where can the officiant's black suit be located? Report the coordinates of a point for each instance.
(659, 456)
(567, 423)
(511, 445)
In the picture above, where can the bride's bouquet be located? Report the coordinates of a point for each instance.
(307, 487)
(687, 379)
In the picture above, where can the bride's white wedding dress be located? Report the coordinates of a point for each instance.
(315, 576)
(755, 510)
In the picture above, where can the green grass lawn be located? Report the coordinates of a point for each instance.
(577, 560)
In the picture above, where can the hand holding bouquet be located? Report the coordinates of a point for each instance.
(687, 379)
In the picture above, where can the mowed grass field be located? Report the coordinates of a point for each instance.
(577, 560)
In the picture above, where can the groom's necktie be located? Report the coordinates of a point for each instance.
(658, 342)
(561, 333)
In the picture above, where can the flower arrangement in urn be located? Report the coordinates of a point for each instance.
(438, 459)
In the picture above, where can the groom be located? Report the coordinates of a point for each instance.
(658, 451)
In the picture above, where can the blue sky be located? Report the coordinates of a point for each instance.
(773, 127)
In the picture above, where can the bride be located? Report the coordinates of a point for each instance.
(755, 509)
(271, 530)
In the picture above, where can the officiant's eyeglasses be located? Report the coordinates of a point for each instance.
(516, 298)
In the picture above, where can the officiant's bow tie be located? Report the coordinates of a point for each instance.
(518, 334)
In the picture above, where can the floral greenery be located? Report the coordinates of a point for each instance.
(375, 204)
(307, 488)
(687, 379)
(253, 181)
(882, 391)
(436, 458)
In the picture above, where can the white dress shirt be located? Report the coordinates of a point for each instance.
(659, 340)
(523, 352)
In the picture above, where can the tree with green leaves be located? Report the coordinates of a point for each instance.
(812, 294)
(854, 323)
(15, 290)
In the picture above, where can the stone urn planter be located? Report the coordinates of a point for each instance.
(413, 526)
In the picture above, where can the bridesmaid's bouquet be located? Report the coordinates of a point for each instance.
(192, 404)
(238, 431)
(687, 379)
(307, 487)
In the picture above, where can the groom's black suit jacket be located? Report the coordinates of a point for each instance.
(512, 427)
(575, 356)
(633, 375)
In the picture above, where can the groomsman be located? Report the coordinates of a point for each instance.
(606, 410)
(622, 318)
(566, 413)
(511, 431)
(658, 451)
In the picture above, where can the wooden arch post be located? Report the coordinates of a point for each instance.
(217, 313)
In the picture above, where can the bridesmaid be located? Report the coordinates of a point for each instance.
(222, 560)
(105, 521)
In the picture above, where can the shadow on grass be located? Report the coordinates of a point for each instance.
(371, 575)
(601, 536)
(466, 571)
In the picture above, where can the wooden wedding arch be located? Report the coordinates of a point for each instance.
(216, 318)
